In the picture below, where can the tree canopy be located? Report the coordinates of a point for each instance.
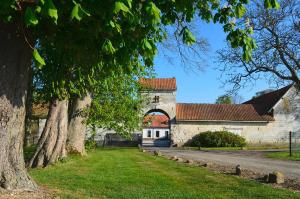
(101, 30)
(224, 99)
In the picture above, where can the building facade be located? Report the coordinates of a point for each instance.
(267, 118)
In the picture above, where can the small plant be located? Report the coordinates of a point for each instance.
(218, 139)
(91, 143)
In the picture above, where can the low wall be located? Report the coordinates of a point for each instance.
(253, 132)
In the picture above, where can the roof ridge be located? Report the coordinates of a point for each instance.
(168, 84)
(270, 93)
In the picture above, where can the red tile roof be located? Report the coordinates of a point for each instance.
(159, 83)
(219, 112)
(156, 121)
(265, 102)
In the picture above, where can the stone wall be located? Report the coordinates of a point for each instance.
(167, 102)
(254, 132)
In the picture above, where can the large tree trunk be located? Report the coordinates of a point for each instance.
(77, 125)
(28, 123)
(52, 143)
(15, 60)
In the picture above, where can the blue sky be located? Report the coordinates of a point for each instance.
(202, 86)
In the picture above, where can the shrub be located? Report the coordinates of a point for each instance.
(218, 139)
(91, 143)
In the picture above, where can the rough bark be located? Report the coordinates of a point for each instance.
(28, 111)
(77, 125)
(15, 60)
(52, 143)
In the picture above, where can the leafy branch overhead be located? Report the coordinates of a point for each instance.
(143, 18)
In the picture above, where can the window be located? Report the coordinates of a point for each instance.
(149, 134)
(157, 134)
(156, 99)
(166, 133)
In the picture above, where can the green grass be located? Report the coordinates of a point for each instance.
(284, 155)
(128, 173)
(251, 147)
(215, 148)
(29, 151)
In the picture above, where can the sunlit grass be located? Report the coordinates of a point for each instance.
(284, 155)
(128, 173)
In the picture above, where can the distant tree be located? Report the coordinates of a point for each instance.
(224, 99)
(277, 56)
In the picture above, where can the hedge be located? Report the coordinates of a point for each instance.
(218, 139)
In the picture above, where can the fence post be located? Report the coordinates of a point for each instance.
(290, 143)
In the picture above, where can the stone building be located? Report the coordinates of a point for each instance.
(264, 119)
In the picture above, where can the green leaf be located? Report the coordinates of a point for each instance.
(153, 11)
(30, 18)
(38, 9)
(268, 4)
(275, 4)
(51, 10)
(78, 12)
(146, 45)
(120, 6)
(271, 4)
(115, 26)
(240, 10)
(188, 37)
(37, 57)
(108, 48)
(75, 12)
(129, 3)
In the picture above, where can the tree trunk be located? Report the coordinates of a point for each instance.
(28, 123)
(15, 60)
(52, 143)
(77, 126)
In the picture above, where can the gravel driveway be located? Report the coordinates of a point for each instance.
(251, 160)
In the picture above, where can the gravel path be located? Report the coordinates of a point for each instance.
(252, 160)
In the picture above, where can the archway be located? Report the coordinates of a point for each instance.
(156, 128)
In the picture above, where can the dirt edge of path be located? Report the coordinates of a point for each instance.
(41, 193)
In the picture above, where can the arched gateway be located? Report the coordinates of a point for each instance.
(160, 110)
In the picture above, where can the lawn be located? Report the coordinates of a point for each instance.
(128, 173)
(251, 147)
(284, 155)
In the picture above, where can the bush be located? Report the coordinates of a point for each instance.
(218, 139)
(91, 143)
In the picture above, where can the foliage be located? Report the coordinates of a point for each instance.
(276, 58)
(218, 139)
(224, 99)
(91, 143)
(128, 173)
(121, 26)
(117, 104)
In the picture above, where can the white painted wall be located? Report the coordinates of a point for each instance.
(163, 133)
